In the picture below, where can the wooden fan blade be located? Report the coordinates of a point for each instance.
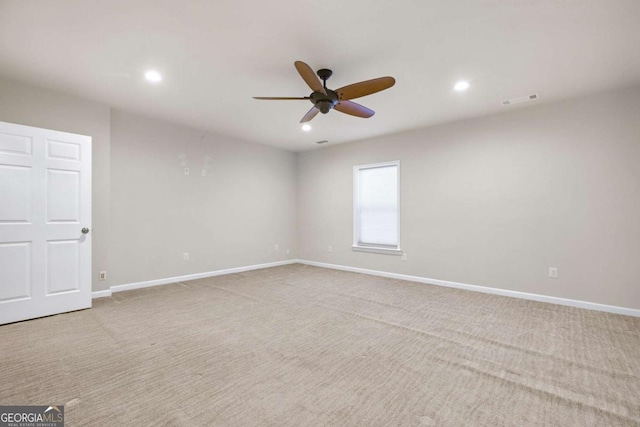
(365, 88)
(354, 109)
(279, 98)
(309, 77)
(310, 115)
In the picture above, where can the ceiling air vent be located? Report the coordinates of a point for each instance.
(521, 99)
(321, 142)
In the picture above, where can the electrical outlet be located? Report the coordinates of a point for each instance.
(103, 275)
(276, 246)
(185, 256)
(404, 256)
(330, 248)
(553, 272)
(204, 172)
(186, 171)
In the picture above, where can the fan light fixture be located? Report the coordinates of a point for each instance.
(153, 76)
(325, 99)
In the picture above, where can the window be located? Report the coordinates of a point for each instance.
(376, 208)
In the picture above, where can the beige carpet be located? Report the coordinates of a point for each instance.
(305, 346)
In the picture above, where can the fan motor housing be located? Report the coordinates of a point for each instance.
(323, 102)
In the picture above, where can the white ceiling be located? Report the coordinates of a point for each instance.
(215, 55)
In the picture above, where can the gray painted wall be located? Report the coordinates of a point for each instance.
(492, 201)
(232, 217)
(495, 201)
(32, 106)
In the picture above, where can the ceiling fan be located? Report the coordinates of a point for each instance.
(324, 99)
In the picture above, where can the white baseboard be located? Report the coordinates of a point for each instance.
(476, 288)
(157, 282)
(101, 294)
(487, 290)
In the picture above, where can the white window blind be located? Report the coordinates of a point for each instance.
(376, 219)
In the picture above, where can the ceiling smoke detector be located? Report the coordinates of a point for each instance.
(521, 99)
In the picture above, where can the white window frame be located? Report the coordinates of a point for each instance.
(357, 245)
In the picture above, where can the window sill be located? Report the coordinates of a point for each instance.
(376, 250)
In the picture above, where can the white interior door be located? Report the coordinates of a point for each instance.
(45, 202)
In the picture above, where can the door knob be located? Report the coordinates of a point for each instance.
(85, 230)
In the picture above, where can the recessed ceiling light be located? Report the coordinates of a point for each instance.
(306, 127)
(461, 86)
(153, 76)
